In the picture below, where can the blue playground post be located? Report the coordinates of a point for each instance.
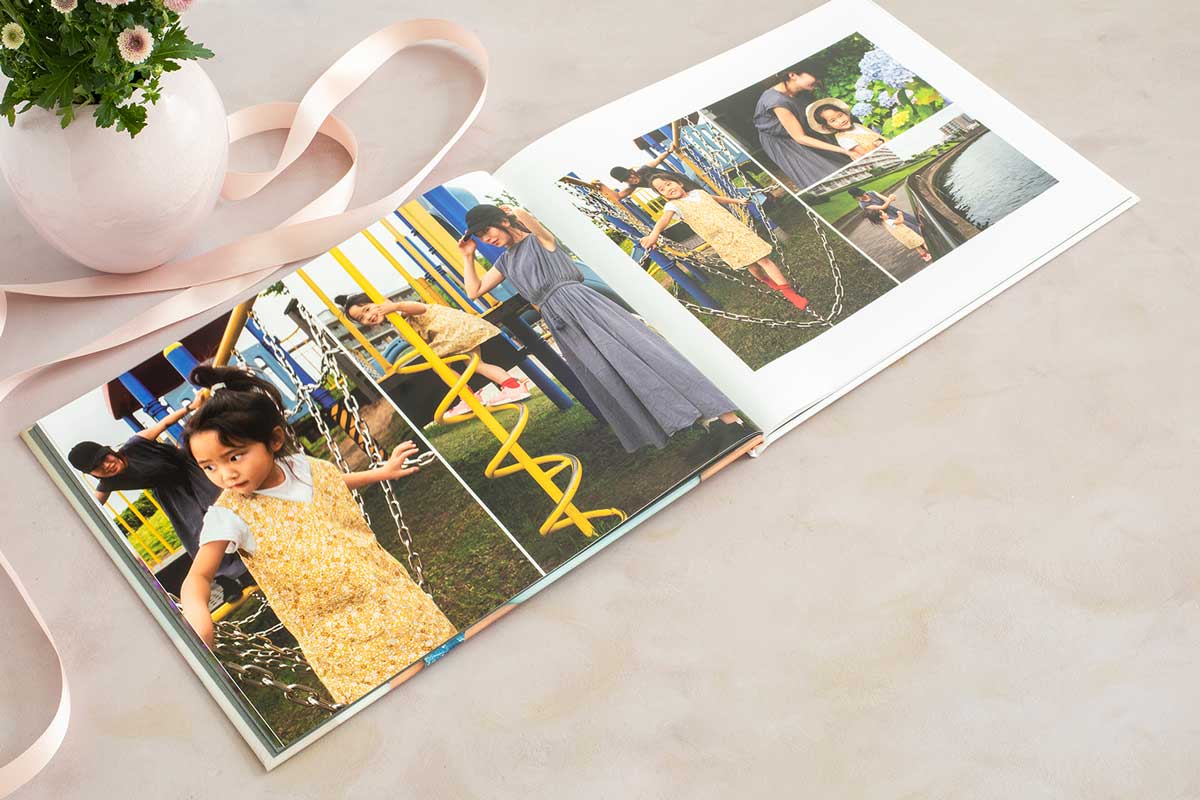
(320, 394)
(151, 404)
(686, 282)
(434, 261)
(453, 211)
(181, 359)
(133, 424)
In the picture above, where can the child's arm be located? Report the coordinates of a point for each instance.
(197, 587)
(408, 308)
(102, 497)
(731, 201)
(530, 221)
(476, 286)
(656, 162)
(663, 221)
(159, 428)
(390, 471)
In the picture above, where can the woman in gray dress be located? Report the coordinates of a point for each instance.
(801, 153)
(643, 387)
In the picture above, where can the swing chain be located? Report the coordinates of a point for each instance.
(305, 391)
(298, 693)
(603, 206)
(839, 289)
(328, 347)
(249, 656)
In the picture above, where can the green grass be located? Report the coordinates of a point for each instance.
(838, 204)
(805, 261)
(611, 477)
(142, 538)
(470, 566)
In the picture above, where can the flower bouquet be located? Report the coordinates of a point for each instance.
(60, 55)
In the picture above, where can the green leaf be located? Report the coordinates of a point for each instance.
(131, 118)
(925, 95)
(106, 114)
(176, 45)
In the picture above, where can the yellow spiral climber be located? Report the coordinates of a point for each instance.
(542, 468)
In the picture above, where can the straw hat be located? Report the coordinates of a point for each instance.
(819, 125)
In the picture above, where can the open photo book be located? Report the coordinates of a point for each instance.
(331, 486)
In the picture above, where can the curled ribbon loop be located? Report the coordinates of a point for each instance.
(220, 274)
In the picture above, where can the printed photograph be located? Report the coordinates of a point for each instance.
(560, 408)
(906, 208)
(717, 231)
(822, 111)
(285, 513)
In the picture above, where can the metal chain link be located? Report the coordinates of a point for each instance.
(704, 261)
(329, 347)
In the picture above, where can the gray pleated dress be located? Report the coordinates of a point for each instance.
(804, 165)
(643, 387)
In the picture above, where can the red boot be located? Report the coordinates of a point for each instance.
(799, 301)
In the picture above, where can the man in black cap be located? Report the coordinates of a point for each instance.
(181, 487)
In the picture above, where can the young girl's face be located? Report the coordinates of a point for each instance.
(243, 467)
(836, 118)
(366, 314)
(672, 190)
(496, 236)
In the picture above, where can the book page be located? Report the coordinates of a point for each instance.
(800, 211)
(323, 491)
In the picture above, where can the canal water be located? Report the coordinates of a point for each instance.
(989, 180)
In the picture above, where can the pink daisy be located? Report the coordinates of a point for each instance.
(64, 6)
(135, 44)
(114, 3)
(178, 6)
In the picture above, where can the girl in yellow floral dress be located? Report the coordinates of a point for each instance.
(737, 245)
(357, 615)
(448, 331)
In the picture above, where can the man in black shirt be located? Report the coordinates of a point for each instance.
(181, 487)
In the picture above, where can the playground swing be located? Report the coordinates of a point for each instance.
(707, 159)
(249, 655)
(542, 469)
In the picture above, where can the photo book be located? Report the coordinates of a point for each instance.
(337, 482)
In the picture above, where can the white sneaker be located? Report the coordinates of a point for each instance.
(514, 394)
(461, 407)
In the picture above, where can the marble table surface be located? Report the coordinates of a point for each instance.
(975, 576)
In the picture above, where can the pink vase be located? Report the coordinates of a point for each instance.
(118, 204)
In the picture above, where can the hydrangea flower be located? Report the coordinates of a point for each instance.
(886, 100)
(877, 65)
(135, 44)
(64, 6)
(178, 6)
(864, 95)
(12, 36)
(862, 82)
(114, 3)
(861, 110)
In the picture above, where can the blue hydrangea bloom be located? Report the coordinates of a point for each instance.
(861, 110)
(876, 65)
(864, 95)
(886, 100)
(862, 82)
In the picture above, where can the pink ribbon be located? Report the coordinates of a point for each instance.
(219, 275)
